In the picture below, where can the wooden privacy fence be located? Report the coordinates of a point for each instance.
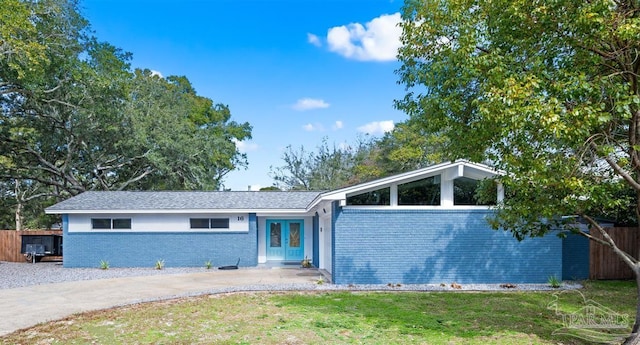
(604, 263)
(11, 242)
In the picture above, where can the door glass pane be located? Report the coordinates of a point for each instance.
(275, 235)
(294, 235)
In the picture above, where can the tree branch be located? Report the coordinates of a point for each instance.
(59, 102)
(608, 241)
(618, 169)
(148, 170)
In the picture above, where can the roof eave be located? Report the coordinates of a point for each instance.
(180, 211)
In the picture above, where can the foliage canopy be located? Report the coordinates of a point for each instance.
(74, 116)
(546, 91)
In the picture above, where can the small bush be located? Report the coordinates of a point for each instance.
(554, 282)
(306, 263)
(104, 265)
(207, 264)
(160, 264)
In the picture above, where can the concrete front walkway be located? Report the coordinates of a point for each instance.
(27, 306)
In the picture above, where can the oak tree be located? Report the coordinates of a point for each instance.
(74, 116)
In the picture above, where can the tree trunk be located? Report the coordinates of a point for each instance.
(18, 206)
(634, 337)
(19, 216)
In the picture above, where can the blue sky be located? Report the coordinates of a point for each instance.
(297, 70)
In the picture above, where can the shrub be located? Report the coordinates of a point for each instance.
(554, 282)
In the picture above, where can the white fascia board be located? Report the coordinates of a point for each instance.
(480, 172)
(322, 207)
(175, 211)
(469, 170)
(453, 172)
(314, 203)
(328, 197)
(483, 169)
(283, 214)
(420, 207)
(296, 211)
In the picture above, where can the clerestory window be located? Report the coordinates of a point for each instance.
(421, 192)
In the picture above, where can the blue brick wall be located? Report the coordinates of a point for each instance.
(177, 249)
(436, 246)
(575, 257)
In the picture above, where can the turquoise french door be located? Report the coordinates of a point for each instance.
(285, 240)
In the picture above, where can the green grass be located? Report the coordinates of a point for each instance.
(336, 318)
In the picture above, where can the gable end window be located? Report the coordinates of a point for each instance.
(465, 192)
(110, 223)
(380, 197)
(421, 192)
(209, 223)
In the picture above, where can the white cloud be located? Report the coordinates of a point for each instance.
(156, 74)
(245, 146)
(309, 104)
(377, 127)
(377, 40)
(338, 125)
(313, 39)
(313, 127)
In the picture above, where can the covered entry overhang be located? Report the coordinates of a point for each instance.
(285, 237)
(290, 236)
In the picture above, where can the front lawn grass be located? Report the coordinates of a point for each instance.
(337, 318)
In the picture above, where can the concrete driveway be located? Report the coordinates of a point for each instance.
(28, 306)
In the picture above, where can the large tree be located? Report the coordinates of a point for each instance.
(75, 117)
(184, 141)
(408, 147)
(328, 167)
(545, 90)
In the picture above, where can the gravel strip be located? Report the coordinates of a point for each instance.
(362, 287)
(15, 275)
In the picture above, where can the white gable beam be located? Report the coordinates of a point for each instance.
(446, 192)
(453, 172)
(500, 193)
(393, 195)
